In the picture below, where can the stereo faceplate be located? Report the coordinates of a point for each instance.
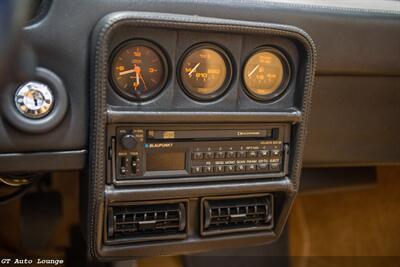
(141, 152)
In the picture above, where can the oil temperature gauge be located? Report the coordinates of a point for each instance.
(266, 73)
(205, 72)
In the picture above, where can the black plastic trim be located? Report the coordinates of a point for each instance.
(43, 161)
(199, 190)
(117, 115)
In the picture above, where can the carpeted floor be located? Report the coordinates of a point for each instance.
(364, 222)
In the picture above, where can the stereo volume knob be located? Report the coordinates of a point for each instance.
(128, 141)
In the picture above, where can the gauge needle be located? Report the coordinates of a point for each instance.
(194, 69)
(126, 72)
(144, 83)
(251, 72)
(136, 69)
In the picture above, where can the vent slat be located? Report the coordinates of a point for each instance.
(237, 214)
(141, 221)
(172, 221)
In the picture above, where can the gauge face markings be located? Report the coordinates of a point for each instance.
(204, 72)
(138, 70)
(265, 73)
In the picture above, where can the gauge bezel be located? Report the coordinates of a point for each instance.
(286, 74)
(228, 78)
(164, 61)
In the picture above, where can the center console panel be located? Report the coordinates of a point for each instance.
(197, 132)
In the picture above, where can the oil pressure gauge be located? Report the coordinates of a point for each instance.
(205, 72)
(266, 73)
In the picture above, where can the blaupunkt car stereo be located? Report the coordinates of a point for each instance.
(147, 152)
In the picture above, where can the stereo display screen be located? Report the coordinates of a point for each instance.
(165, 161)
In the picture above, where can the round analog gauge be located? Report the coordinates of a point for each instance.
(138, 70)
(205, 72)
(266, 74)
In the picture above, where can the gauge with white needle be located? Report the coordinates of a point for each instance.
(266, 73)
(138, 70)
(126, 72)
(194, 69)
(205, 72)
(254, 70)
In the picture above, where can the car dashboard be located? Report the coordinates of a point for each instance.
(190, 122)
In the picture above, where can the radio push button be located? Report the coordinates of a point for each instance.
(263, 153)
(252, 154)
(220, 155)
(197, 155)
(230, 168)
(219, 168)
(275, 153)
(196, 169)
(241, 154)
(275, 167)
(230, 154)
(209, 155)
(240, 168)
(207, 169)
(262, 166)
(251, 167)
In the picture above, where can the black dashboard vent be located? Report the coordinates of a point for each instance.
(145, 222)
(237, 214)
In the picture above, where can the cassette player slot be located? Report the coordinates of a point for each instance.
(168, 135)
